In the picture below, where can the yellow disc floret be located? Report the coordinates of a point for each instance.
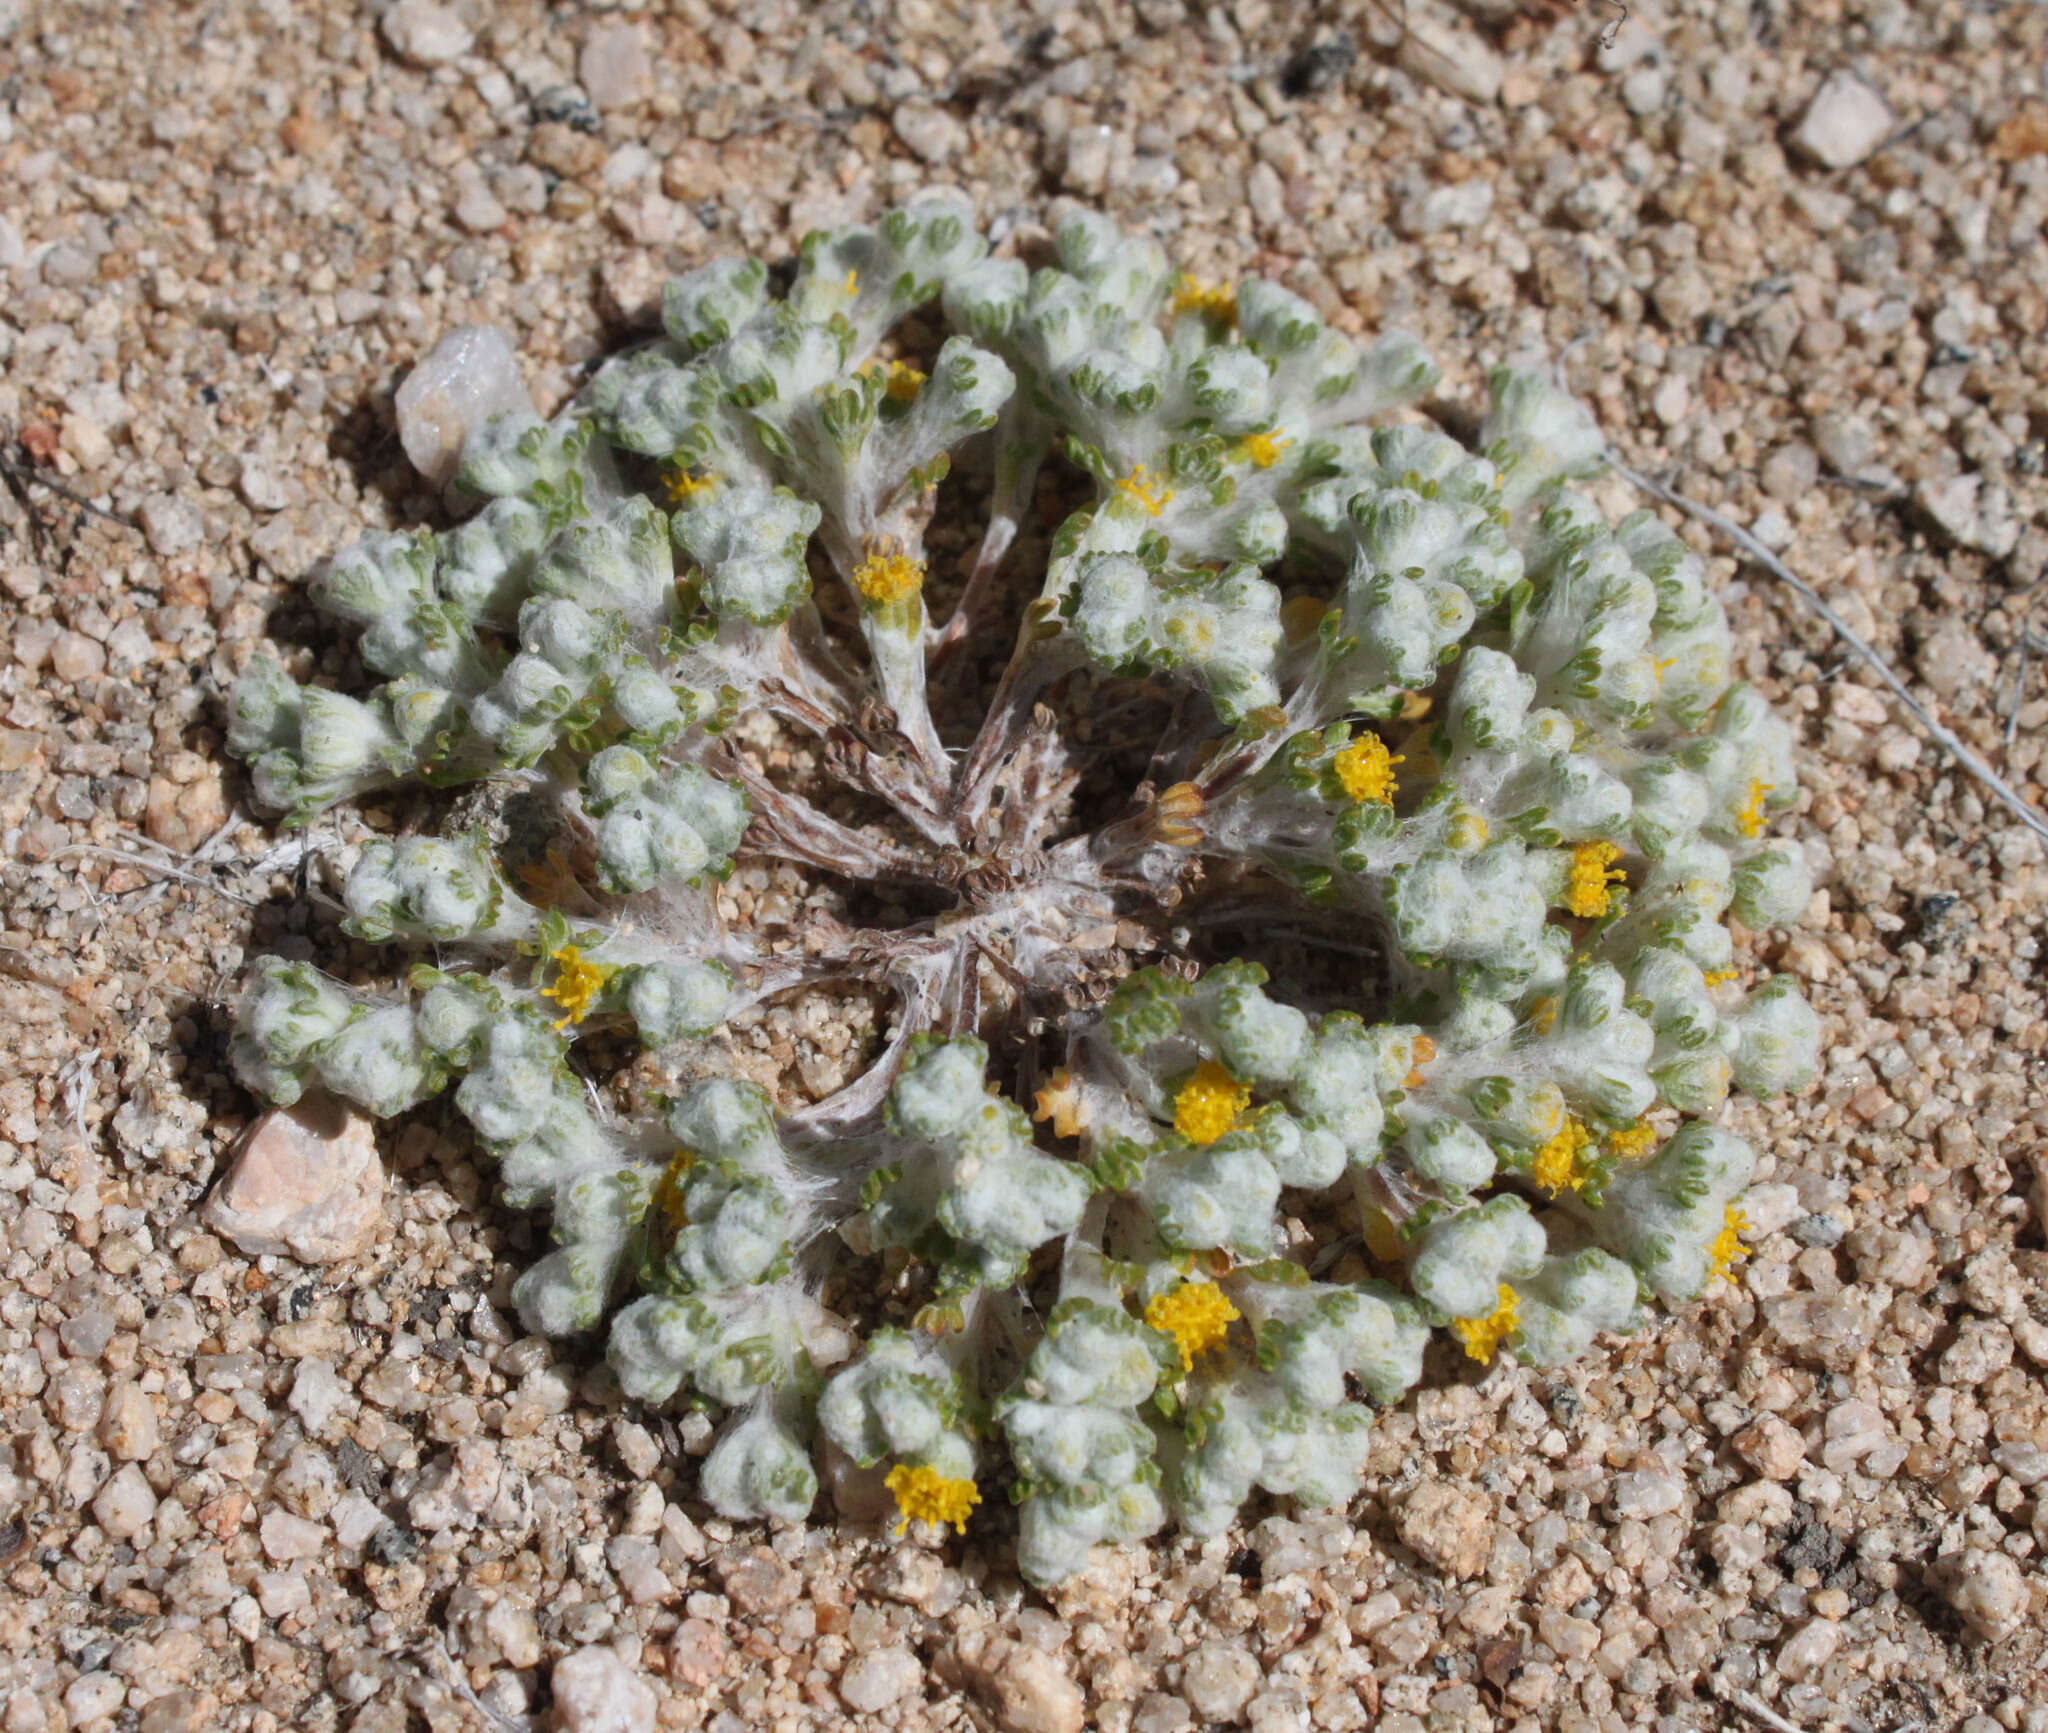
(1148, 488)
(886, 577)
(1750, 820)
(685, 489)
(1634, 1143)
(1262, 450)
(1366, 769)
(1728, 1247)
(1208, 1103)
(1483, 1336)
(923, 1494)
(576, 985)
(1560, 1165)
(1593, 870)
(1195, 295)
(1197, 1315)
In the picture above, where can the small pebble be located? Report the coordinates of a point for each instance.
(1971, 513)
(1844, 123)
(1809, 1649)
(873, 1681)
(1774, 529)
(1029, 1690)
(128, 1423)
(1987, 1589)
(1646, 1493)
(93, 1696)
(1449, 1525)
(75, 657)
(1774, 1449)
(477, 211)
(317, 1395)
(125, 1504)
(596, 1692)
(306, 1183)
(1218, 1680)
(261, 484)
(287, 1538)
(468, 377)
(639, 1455)
(1983, 1347)
(86, 1336)
(1852, 1431)
(615, 68)
(931, 133)
(512, 1627)
(1464, 205)
(426, 34)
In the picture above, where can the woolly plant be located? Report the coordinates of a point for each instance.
(1413, 706)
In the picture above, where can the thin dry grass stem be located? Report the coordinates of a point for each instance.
(1944, 737)
(1748, 1703)
(145, 863)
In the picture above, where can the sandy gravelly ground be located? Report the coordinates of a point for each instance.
(239, 1492)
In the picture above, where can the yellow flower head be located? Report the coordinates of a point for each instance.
(904, 382)
(1148, 488)
(901, 381)
(1197, 1315)
(1721, 977)
(1728, 1247)
(1543, 1018)
(1560, 1164)
(1634, 1143)
(1592, 871)
(882, 578)
(1750, 820)
(1262, 450)
(1208, 1103)
(923, 1494)
(685, 489)
(1366, 769)
(668, 1190)
(1195, 295)
(852, 284)
(576, 984)
(1483, 1336)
